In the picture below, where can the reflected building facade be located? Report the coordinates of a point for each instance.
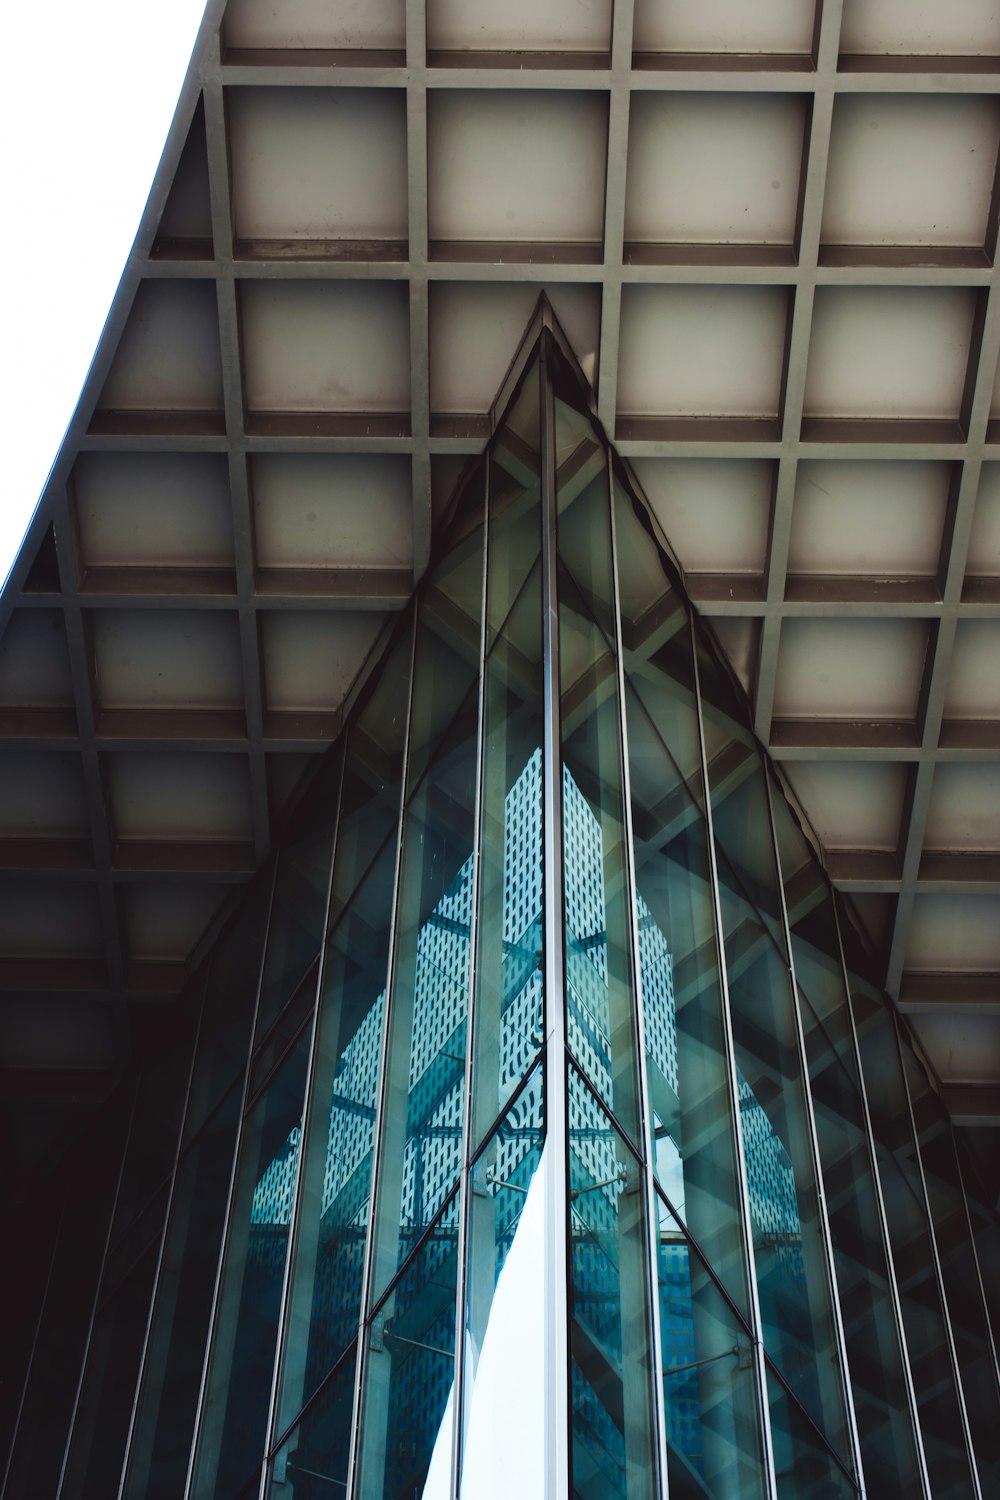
(534, 1124)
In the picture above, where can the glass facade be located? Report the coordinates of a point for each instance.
(537, 1128)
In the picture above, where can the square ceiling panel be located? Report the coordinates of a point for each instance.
(316, 24)
(67, 922)
(910, 170)
(954, 28)
(349, 182)
(983, 559)
(154, 658)
(34, 661)
(697, 351)
(954, 934)
(517, 168)
(724, 26)
(311, 657)
(850, 669)
(964, 810)
(178, 796)
(852, 804)
(145, 510)
(869, 519)
(163, 921)
(892, 353)
(714, 512)
(42, 795)
(168, 358)
(713, 169)
(974, 680)
(962, 1048)
(518, 26)
(474, 326)
(332, 510)
(330, 346)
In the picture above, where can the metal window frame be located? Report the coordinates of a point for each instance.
(557, 1273)
(465, 1182)
(353, 1466)
(645, 1122)
(278, 1365)
(911, 1395)
(196, 1431)
(743, 1205)
(936, 1258)
(154, 1291)
(844, 1372)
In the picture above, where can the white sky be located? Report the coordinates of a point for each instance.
(89, 91)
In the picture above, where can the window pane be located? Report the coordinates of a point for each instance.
(792, 1267)
(874, 1351)
(714, 1441)
(611, 1372)
(335, 1180)
(406, 1428)
(231, 1439)
(923, 1318)
(505, 1352)
(420, 1153)
(509, 955)
(312, 1462)
(179, 1330)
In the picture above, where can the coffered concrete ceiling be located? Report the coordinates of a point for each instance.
(769, 231)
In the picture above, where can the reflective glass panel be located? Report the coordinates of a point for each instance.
(508, 1028)
(791, 1262)
(959, 1272)
(691, 1102)
(601, 1016)
(312, 1461)
(408, 1401)
(804, 1466)
(324, 1302)
(611, 1370)
(710, 1393)
(874, 1351)
(179, 1330)
(101, 1424)
(906, 1214)
(231, 1436)
(505, 1315)
(298, 910)
(229, 1005)
(420, 1151)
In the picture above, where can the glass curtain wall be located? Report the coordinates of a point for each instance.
(545, 1133)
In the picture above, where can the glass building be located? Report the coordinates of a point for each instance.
(536, 1124)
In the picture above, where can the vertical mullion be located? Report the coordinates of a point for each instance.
(938, 1274)
(85, 1357)
(15, 1430)
(750, 1268)
(643, 1113)
(141, 1371)
(975, 1253)
(824, 1223)
(911, 1395)
(230, 1198)
(556, 1123)
(462, 1267)
(293, 1226)
(379, 1132)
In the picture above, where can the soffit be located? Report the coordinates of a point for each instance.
(769, 232)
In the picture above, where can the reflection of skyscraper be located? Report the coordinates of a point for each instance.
(435, 1100)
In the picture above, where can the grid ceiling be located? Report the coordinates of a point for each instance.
(769, 233)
